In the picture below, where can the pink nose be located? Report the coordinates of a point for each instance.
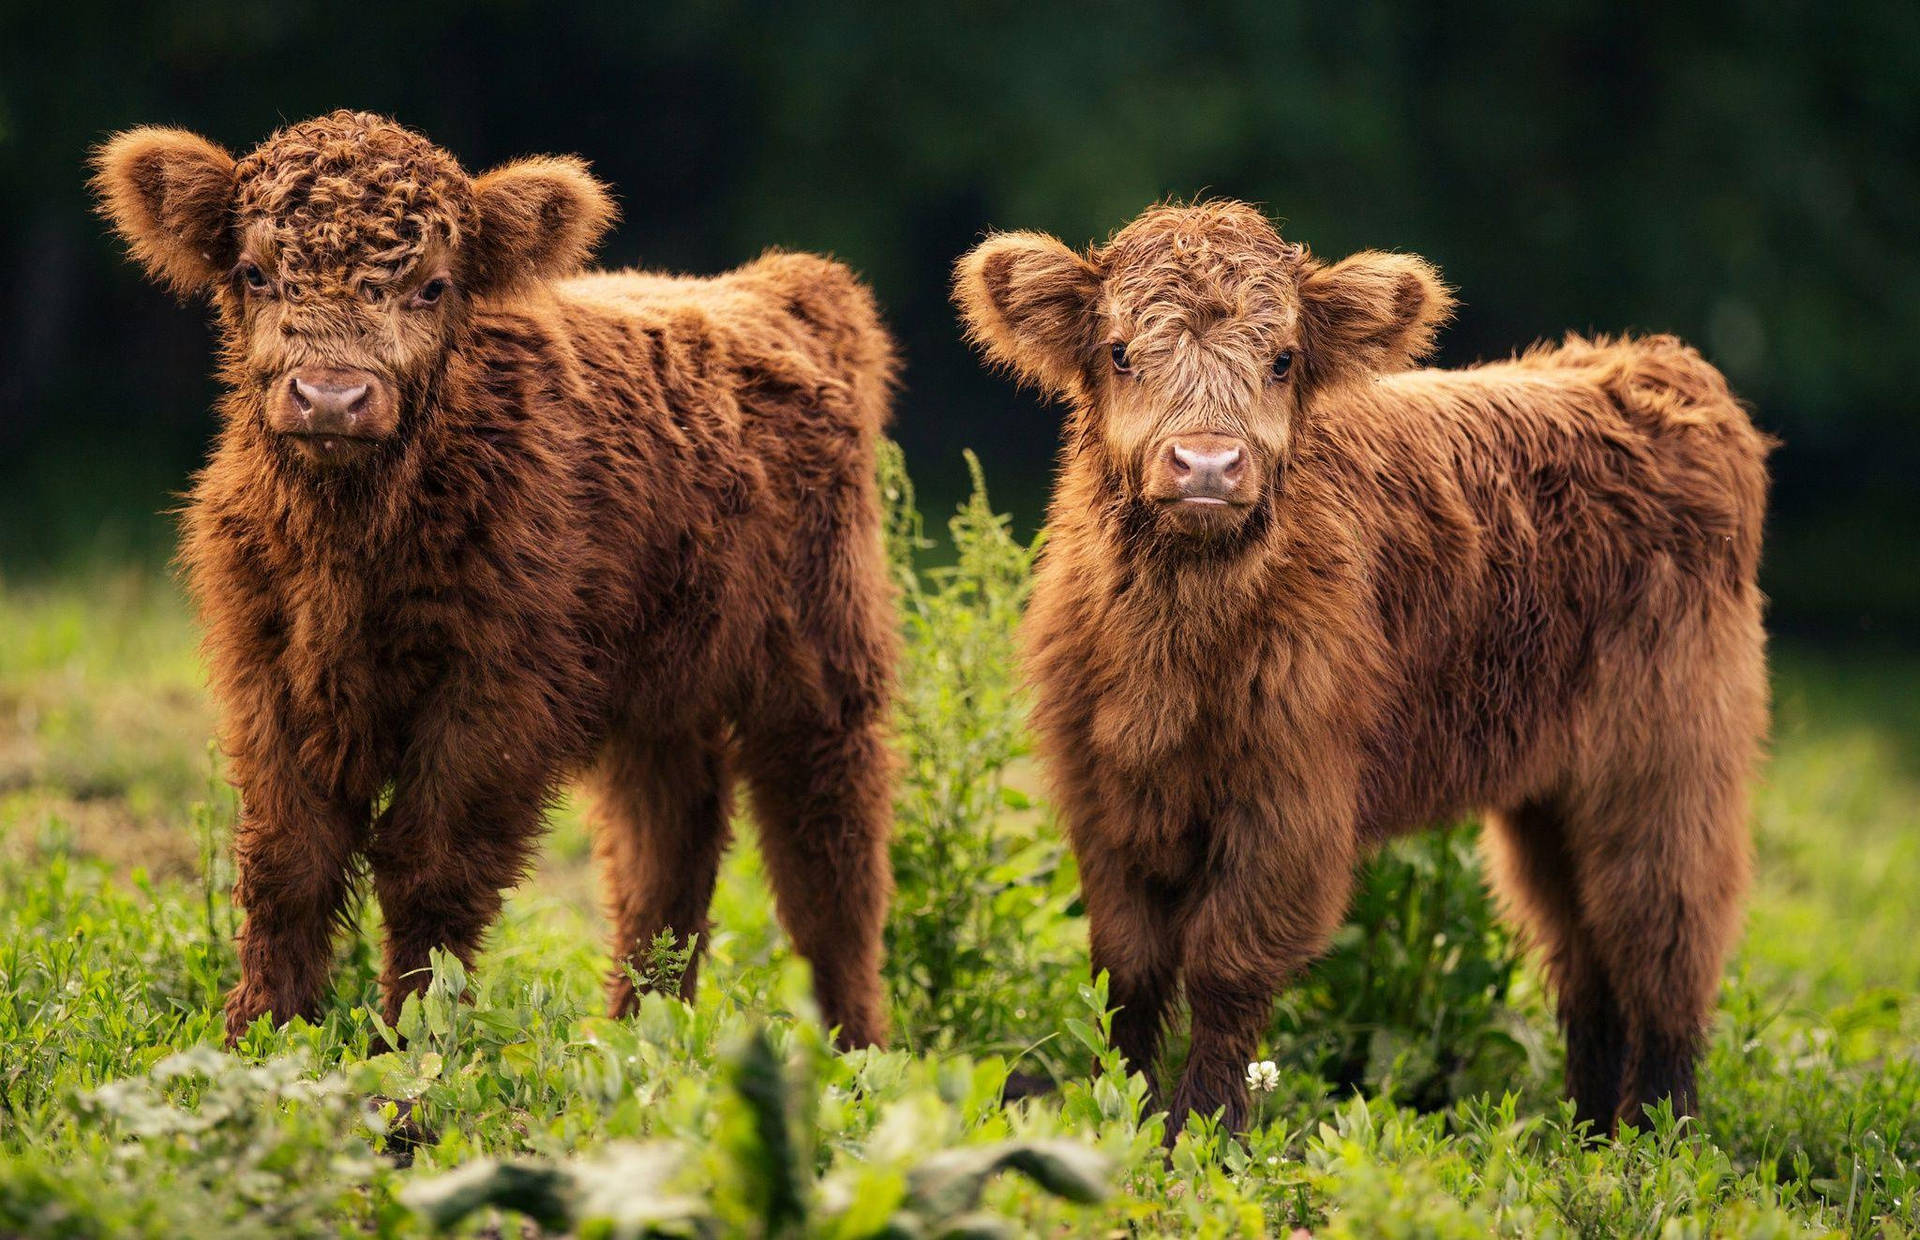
(329, 407)
(1209, 472)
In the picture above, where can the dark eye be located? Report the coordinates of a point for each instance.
(431, 291)
(1120, 362)
(256, 279)
(1283, 364)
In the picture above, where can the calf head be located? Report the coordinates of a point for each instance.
(1192, 346)
(343, 256)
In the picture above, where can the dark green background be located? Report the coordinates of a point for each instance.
(1745, 174)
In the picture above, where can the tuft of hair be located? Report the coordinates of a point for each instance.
(352, 196)
(169, 194)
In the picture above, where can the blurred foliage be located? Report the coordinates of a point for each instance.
(625, 1192)
(1744, 172)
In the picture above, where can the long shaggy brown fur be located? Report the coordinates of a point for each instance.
(1361, 598)
(613, 523)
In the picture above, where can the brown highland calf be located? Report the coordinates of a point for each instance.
(1299, 598)
(476, 522)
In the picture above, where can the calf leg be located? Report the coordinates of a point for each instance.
(442, 861)
(1596, 1035)
(1133, 938)
(1662, 867)
(813, 746)
(1534, 876)
(822, 801)
(293, 866)
(662, 827)
(1268, 913)
(1230, 1007)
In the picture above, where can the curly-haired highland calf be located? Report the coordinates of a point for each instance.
(476, 521)
(1298, 598)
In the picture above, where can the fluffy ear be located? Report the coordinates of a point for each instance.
(1374, 312)
(539, 218)
(1027, 301)
(169, 194)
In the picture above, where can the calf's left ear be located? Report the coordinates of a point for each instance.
(169, 194)
(539, 218)
(1374, 311)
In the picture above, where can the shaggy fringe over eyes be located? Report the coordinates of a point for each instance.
(1373, 311)
(1211, 270)
(169, 194)
(1025, 298)
(1203, 288)
(353, 197)
(539, 218)
(349, 199)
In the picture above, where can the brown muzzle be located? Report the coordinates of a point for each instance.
(334, 414)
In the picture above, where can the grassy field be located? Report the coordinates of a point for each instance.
(1419, 1066)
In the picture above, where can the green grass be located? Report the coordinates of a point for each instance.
(1419, 1066)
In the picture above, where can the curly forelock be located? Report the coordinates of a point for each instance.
(1183, 270)
(353, 198)
(1201, 290)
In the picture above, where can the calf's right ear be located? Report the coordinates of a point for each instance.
(169, 194)
(1028, 305)
(539, 219)
(1373, 312)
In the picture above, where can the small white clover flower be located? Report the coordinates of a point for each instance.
(1263, 1077)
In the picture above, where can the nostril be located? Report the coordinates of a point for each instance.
(355, 399)
(1182, 460)
(302, 396)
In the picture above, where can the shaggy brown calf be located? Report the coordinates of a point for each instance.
(476, 522)
(1298, 598)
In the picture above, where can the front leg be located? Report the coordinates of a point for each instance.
(443, 856)
(306, 787)
(293, 853)
(444, 853)
(1133, 937)
(485, 746)
(1277, 894)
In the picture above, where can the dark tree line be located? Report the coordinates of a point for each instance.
(1744, 173)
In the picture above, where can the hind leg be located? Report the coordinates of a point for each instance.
(814, 751)
(823, 804)
(1533, 873)
(1657, 820)
(1662, 868)
(661, 828)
